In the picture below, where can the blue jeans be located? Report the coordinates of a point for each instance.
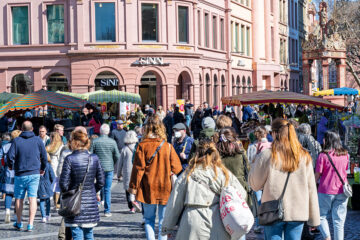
(290, 231)
(79, 233)
(258, 197)
(188, 120)
(337, 206)
(23, 184)
(149, 216)
(106, 191)
(8, 201)
(45, 203)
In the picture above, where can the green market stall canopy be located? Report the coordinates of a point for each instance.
(101, 96)
(267, 97)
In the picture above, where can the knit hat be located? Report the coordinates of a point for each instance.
(208, 122)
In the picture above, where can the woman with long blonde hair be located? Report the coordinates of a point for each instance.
(54, 150)
(286, 159)
(154, 163)
(194, 202)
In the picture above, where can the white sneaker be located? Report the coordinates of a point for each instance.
(7, 216)
(43, 220)
(48, 218)
(108, 214)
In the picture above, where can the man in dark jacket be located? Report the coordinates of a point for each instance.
(27, 156)
(182, 144)
(178, 116)
(207, 112)
(188, 112)
(118, 134)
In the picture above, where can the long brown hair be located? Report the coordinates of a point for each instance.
(227, 144)
(207, 155)
(55, 143)
(154, 128)
(286, 149)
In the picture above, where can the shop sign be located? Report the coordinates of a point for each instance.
(109, 82)
(150, 61)
(181, 103)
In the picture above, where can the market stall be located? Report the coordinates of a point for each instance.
(108, 101)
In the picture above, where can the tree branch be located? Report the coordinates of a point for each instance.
(352, 70)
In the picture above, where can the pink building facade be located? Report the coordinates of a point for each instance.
(163, 50)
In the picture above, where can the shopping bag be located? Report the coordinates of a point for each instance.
(235, 213)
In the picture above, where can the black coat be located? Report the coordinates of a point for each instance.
(72, 175)
(45, 185)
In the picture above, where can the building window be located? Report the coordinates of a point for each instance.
(236, 37)
(183, 15)
(296, 16)
(272, 43)
(199, 28)
(247, 41)
(222, 34)
(206, 23)
(57, 82)
(105, 22)
(149, 14)
(280, 10)
(55, 22)
(20, 25)
(214, 32)
(296, 52)
(21, 84)
(271, 6)
(232, 36)
(242, 39)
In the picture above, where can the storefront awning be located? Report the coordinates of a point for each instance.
(42, 98)
(267, 97)
(337, 92)
(101, 96)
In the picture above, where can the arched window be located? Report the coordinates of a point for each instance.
(233, 85)
(223, 86)
(249, 85)
(244, 84)
(208, 84)
(238, 86)
(57, 82)
(107, 81)
(21, 83)
(216, 86)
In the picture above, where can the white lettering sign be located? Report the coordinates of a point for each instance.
(146, 61)
(109, 82)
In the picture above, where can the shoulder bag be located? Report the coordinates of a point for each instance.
(156, 151)
(71, 200)
(346, 186)
(235, 214)
(272, 211)
(252, 199)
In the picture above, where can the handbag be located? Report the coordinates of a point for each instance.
(346, 186)
(235, 213)
(272, 211)
(70, 203)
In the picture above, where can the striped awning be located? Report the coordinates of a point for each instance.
(337, 92)
(42, 98)
(101, 96)
(267, 97)
(5, 97)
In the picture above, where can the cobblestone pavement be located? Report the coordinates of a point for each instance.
(122, 224)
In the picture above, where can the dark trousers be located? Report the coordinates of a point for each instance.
(128, 200)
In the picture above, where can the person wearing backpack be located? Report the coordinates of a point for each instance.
(45, 191)
(7, 175)
(125, 165)
(285, 173)
(154, 163)
(332, 199)
(194, 204)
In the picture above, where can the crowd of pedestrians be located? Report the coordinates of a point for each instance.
(174, 166)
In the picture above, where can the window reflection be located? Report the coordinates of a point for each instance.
(149, 14)
(105, 22)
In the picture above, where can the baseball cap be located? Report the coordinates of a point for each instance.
(179, 126)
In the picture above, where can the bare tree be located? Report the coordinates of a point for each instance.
(347, 16)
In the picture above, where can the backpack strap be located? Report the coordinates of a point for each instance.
(332, 163)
